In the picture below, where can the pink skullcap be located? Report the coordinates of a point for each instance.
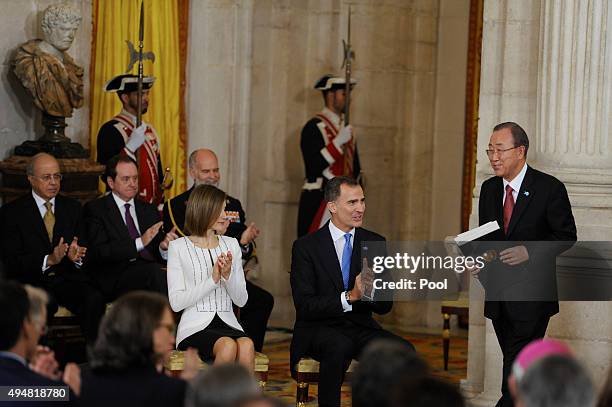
(535, 351)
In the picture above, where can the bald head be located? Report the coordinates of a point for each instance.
(204, 167)
(44, 175)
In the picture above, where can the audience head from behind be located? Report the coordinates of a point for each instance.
(204, 167)
(136, 332)
(22, 327)
(121, 176)
(383, 363)
(44, 175)
(530, 354)
(224, 385)
(206, 211)
(345, 202)
(555, 381)
(425, 391)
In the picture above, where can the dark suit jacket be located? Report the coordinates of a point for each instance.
(134, 387)
(110, 247)
(178, 204)
(316, 284)
(542, 212)
(24, 241)
(13, 373)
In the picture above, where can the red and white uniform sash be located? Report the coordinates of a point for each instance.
(147, 156)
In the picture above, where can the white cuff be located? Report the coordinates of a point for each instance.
(328, 157)
(139, 245)
(45, 267)
(163, 253)
(345, 305)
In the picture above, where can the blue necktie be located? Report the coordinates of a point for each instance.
(346, 260)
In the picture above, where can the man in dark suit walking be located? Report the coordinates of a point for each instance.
(123, 235)
(40, 244)
(531, 206)
(332, 323)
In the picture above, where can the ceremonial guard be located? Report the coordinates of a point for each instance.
(328, 149)
(121, 135)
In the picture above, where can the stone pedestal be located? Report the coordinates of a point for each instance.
(80, 178)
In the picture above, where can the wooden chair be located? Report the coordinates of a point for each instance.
(459, 307)
(306, 372)
(176, 364)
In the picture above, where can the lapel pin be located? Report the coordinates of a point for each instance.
(526, 193)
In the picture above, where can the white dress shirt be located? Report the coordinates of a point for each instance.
(337, 236)
(121, 205)
(515, 184)
(40, 204)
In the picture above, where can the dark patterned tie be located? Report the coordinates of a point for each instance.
(133, 231)
(508, 207)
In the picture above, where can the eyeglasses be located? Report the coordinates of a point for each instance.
(491, 153)
(48, 177)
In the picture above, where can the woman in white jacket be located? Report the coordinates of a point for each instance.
(205, 280)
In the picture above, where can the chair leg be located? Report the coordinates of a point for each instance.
(446, 338)
(301, 396)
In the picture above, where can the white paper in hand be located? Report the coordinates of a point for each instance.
(476, 233)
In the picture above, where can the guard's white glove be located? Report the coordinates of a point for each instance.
(343, 137)
(137, 138)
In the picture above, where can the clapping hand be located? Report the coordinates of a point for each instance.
(58, 253)
(170, 236)
(222, 267)
(43, 362)
(150, 233)
(76, 252)
(249, 234)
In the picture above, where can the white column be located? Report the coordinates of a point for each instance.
(574, 85)
(218, 100)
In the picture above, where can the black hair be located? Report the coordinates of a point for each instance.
(383, 363)
(113, 162)
(16, 307)
(519, 136)
(332, 189)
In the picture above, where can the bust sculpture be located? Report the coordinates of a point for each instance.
(53, 80)
(45, 69)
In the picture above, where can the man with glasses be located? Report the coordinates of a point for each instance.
(40, 245)
(22, 361)
(528, 205)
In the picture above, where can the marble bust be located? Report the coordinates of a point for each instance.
(44, 67)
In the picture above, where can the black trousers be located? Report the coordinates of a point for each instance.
(513, 336)
(334, 347)
(255, 314)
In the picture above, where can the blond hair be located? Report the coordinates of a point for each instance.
(204, 207)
